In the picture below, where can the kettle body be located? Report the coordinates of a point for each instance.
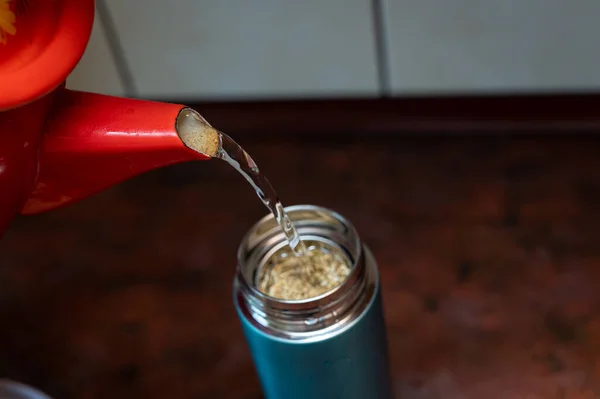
(59, 145)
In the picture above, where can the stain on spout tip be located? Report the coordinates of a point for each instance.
(197, 134)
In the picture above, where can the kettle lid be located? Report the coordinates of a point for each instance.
(40, 44)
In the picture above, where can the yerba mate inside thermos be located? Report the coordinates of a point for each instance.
(330, 346)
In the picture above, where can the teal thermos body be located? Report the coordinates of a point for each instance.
(331, 346)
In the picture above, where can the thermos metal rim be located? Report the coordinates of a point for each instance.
(311, 318)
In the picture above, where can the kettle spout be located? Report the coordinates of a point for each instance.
(92, 142)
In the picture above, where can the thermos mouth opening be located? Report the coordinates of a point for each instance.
(295, 318)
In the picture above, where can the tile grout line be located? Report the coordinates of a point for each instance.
(116, 49)
(382, 48)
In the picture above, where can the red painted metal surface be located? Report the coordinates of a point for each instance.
(59, 146)
(20, 131)
(48, 39)
(92, 142)
(69, 145)
(42, 45)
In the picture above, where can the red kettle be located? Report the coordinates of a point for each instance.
(57, 145)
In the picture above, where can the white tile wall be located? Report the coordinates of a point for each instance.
(96, 71)
(242, 48)
(203, 49)
(479, 45)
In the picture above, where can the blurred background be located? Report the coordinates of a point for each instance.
(486, 238)
(217, 50)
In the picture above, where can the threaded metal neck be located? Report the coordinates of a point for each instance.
(312, 318)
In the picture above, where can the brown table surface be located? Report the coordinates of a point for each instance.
(488, 248)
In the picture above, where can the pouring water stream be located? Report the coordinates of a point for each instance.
(198, 135)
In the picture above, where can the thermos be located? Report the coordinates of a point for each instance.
(330, 346)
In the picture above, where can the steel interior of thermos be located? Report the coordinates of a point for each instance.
(333, 345)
